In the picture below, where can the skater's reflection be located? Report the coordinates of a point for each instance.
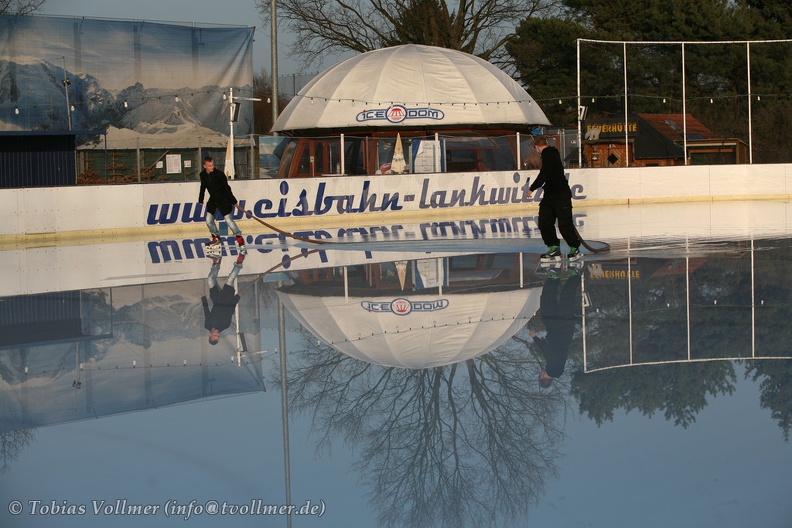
(224, 300)
(557, 313)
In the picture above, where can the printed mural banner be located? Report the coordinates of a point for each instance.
(126, 77)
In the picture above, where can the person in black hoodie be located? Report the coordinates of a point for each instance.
(224, 300)
(558, 315)
(220, 198)
(556, 204)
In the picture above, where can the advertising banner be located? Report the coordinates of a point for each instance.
(61, 73)
(80, 211)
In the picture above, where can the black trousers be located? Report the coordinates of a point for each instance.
(558, 315)
(557, 208)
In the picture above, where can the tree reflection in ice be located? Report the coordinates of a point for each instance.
(457, 445)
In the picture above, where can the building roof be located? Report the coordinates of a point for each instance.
(671, 126)
(656, 136)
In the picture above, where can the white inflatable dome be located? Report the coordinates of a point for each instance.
(468, 326)
(411, 86)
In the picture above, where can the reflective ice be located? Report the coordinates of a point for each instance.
(392, 376)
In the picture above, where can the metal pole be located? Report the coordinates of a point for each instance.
(580, 122)
(274, 60)
(233, 112)
(750, 104)
(629, 298)
(626, 131)
(238, 333)
(252, 159)
(687, 296)
(105, 155)
(346, 285)
(583, 320)
(440, 277)
(284, 408)
(519, 153)
(522, 271)
(230, 157)
(753, 299)
(342, 168)
(66, 82)
(684, 108)
(137, 157)
(438, 155)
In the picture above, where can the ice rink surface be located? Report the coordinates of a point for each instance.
(390, 376)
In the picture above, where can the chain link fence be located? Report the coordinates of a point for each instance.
(289, 85)
(740, 91)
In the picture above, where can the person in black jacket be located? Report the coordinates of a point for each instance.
(557, 312)
(220, 198)
(556, 204)
(224, 300)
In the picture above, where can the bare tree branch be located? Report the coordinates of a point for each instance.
(333, 27)
(466, 444)
(20, 7)
(12, 443)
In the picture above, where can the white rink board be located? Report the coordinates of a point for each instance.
(63, 267)
(38, 211)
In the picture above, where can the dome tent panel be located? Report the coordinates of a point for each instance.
(411, 86)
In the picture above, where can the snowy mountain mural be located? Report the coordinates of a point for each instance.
(151, 351)
(139, 76)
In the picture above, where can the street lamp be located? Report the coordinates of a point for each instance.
(233, 116)
(66, 83)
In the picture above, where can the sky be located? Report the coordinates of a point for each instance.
(230, 12)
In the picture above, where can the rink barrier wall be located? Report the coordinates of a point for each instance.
(53, 214)
(112, 261)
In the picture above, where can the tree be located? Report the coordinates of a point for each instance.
(678, 391)
(547, 50)
(12, 443)
(338, 26)
(544, 56)
(262, 111)
(469, 444)
(716, 75)
(656, 19)
(20, 7)
(776, 391)
(774, 17)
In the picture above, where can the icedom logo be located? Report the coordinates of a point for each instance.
(402, 306)
(398, 113)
